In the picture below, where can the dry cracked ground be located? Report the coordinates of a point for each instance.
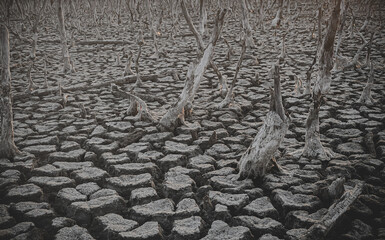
(101, 174)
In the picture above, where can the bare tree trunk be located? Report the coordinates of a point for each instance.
(313, 146)
(66, 56)
(366, 97)
(257, 159)
(8, 148)
(229, 96)
(261, 16)
(246, 25)
(278, 17)
(140, 42)
(194, 77)
(202, 16)
(201, 47)
(340, 33)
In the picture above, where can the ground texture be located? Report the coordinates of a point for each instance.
(102, 174)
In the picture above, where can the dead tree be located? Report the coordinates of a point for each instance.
(344, 6)
(229, 96)
(35, 30)
(140, 42)
(137, 105)
(278, 17)
(202, 16)
(193, 79)
(246, 25)
(313, 146)
(68, 67)
(257, 159)
(201, 47)
(8, 148)
(366, 96)
(261, 16)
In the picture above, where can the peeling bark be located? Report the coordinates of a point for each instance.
(141, 112)
(366, 96)
(66, 56)
(335, 212)
(229, 96)
(8, 148)
(313, 146)
(256, 161)
(194, 76)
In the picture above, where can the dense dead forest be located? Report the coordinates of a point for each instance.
(192, 119)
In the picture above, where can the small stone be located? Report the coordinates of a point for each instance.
(220, 230)
(181, 148)
(148, 231)
(124, 184)
(160, 210)
(350, 148)
(261, 207)
(119, 126)
(6, 220)
(71, 156)
(40, 150)
(259, 226)
(220, 172)
(268, 236)
(46, 170)
(135, 148)
(235, 201)
(18, 229)
(71, 166)
(229, 181)
(143, 195)
(74, 232)
(149, 156)
(360, 230)
(188, 228)
(110, 225)
(42, 218)
(289, 201)
(176, 185)
(156, 137)
(19, 209)
(221, 212)
(302, 219)
(67, 146)
(62, 222)
(89, 174)
(187, 207)
(52, 184)
(135, 169)
(171, 160)
(88, 188)
(26, 192)
(66, 196)
(296, 233)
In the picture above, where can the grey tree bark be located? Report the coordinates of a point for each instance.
(257, 159)
(8, 148)
(313, 146)
(66, 56)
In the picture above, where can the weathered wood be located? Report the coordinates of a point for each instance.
(201, 47)
(313, 146)
(320, 229)
(62, 32)
(140, 42)
(8, 148)
(194, 76)
(278, 17)
(345, 5)
(256, 161)
(246, 25)
(202, 16)
(366, 96)
(229, 96)
(142, 109)
(85, 86)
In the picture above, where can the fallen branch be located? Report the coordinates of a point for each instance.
(141, 106)
(321, 229)
(85, 86)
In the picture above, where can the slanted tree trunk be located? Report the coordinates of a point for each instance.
(229, 96)
(140, 42)
(366, 96)
(201, 47)
(8, 148)
(66, 56)
(313, 146)
(194, 77)
(261, 16)
(340, 33)
(257, 159)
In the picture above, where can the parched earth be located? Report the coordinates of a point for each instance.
(104, 175)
